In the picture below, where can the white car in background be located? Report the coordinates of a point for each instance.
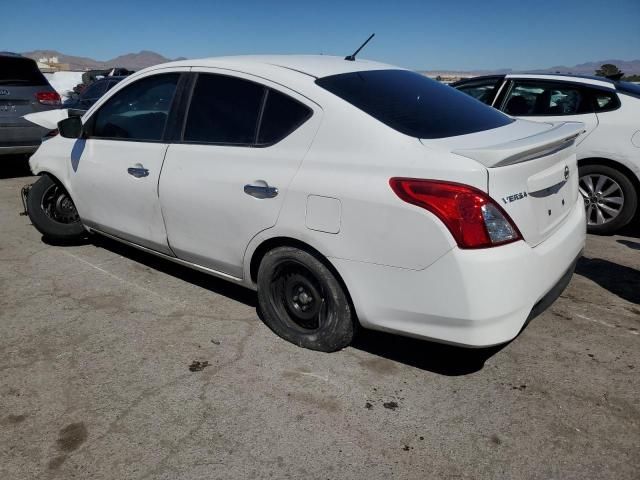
(608, 152)
(347, 193)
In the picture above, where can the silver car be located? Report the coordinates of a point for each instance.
(23, 89)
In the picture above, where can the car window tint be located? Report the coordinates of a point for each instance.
(628, 88)
(139, 111)
(483, 91)
(224, 110)
(414, 104)
(281, 116)
(604, 101)
(546, 98)
(94, 91)
(112, 84)
(20, 71)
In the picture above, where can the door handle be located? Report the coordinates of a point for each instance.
(138, 171)
(260, 189)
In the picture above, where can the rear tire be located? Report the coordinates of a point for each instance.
(610, 198)
(52, 211)
(303, 302)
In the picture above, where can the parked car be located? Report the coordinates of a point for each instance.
(92, 93)
(346, 192)
(608, 152)
(23, 90)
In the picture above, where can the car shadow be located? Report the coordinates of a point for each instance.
(426, 355)
(440, 358)
(203, 280)
(618, 279)
(630, 244)
(14, 166)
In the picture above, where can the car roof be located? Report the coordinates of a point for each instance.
(586, 79)
(313, 65)
(479, 78)
(14, 55)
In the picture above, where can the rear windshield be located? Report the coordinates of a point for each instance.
(629, 88)
(20, 71)
(414, 104)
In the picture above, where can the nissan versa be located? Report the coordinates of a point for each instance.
(348, 193)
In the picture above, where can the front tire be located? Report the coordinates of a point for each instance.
(610, 198)
(303, 302)
(52, 211)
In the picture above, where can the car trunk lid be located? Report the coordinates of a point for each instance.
(532, 171)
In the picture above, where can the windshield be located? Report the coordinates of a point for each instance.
(20, 71)
(414, 104)
(629, 88)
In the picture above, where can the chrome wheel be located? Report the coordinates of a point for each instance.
(603, 198)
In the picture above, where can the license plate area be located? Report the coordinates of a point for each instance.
(12, 108)
(552, 205)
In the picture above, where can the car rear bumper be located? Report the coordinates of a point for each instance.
(20, 138)
(474, 298)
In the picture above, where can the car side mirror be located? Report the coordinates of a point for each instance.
(70, 127)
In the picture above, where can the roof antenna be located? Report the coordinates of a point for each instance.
(352, 57)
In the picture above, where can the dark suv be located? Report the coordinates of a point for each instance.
(23, 90)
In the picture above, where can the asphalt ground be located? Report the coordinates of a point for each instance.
(98, 343)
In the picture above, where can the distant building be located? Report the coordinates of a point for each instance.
(48, 60)
(51, 64)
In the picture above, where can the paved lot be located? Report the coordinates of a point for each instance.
(96, 342)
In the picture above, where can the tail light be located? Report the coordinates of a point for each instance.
(48, 98)
(472, 217)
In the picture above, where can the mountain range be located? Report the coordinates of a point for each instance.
(132, 61)
(146, 58)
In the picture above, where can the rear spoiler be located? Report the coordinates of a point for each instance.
(559, 137)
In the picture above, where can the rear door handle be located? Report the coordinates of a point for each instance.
(260, 189)
(138, 171)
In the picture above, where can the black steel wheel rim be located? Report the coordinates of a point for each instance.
(299, 297)
(58, 206)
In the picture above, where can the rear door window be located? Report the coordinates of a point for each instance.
(224, 110)
(539, 98)
(414, 104)
(485, 90)
(137, 112)
(20, 71)
(282, 115)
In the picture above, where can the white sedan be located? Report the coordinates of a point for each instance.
(348, 193)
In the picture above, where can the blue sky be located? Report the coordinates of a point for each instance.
(423, 34)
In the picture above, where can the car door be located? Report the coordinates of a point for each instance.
(224, 180)
(550, 101)
(117, 165)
